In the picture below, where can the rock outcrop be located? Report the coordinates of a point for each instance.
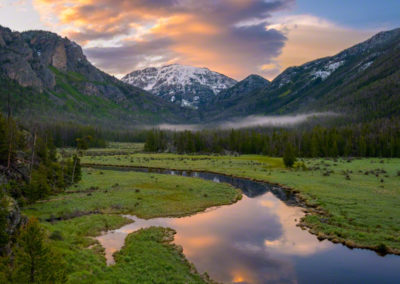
(57, 67)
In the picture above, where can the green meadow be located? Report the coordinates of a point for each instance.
(113, 148)
(353, 201)
(97, 203)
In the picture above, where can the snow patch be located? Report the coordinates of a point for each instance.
(188, 104)
(366, 65)
(179, 79)
(321, 74)
(327, 70)
(333, 66)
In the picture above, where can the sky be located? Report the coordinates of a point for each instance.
(233, 37)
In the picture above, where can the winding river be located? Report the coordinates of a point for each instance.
(256, 240)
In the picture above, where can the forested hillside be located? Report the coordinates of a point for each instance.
(362, 82)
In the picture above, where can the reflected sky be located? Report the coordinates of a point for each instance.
(256, 240)
(249, 242)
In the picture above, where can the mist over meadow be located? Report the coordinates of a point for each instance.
(249, 122)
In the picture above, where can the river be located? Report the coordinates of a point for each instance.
(256, 240)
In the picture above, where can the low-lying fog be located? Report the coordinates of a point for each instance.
(249, 121)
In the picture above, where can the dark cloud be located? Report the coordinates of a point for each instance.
(121, 60)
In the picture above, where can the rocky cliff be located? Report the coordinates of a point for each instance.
(53, 73)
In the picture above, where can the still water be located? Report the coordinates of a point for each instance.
(256, 240)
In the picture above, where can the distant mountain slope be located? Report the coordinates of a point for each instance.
(362, 81)
(187, 86)
(233, 96)
(49, 77)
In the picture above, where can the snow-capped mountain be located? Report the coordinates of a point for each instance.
(185, 85)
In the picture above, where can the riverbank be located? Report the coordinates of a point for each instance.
(351, 201)
(95, 205)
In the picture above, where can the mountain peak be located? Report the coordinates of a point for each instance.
(242, 90)
(255, 78)
(186, 85)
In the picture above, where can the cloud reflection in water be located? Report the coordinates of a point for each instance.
(252, 241)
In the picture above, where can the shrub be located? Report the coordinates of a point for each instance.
(56, 236)
(289, 156)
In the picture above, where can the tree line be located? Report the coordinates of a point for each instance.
(65, 134)
(30, 169)
(376, 139)
(29, 164)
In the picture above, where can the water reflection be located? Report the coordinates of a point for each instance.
(256, 240)
(246, 242)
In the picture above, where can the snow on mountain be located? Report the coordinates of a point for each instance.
(185, 85)
(327, 70)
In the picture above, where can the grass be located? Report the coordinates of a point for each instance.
(149, 257)
(353, 201)
(95, 205)
(73, 239)
(114, 148)
(244, 165)
(141, 194)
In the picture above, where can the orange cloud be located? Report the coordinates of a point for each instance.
(201, 33)
(310, 38)
(182, 24)
(235, 37)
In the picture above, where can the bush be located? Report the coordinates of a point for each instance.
(289, 156)
(39, 187)
(56, 236)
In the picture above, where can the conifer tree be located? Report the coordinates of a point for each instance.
(289, 157)
(35, 261)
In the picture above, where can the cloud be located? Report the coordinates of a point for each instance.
(120, 60)
(311, 37)
(234, 37)
(228, 36)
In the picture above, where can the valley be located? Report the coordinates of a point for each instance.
(187, 142)
(360, 82)
(321, 182)
(131, 191)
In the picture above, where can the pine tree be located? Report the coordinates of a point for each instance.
(289, 156)
(150, 144)
(314, 151)
(4, 236)
(3, 141)
(35, 261)
(362, 147)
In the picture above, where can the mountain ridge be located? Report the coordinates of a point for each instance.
(325, 84)
(55, 79)
(187, 86)
(50, 77)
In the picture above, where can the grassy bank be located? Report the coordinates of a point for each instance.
(141, 194)
(149, 257)
(354, 201)
(113, 148)
(95, 205)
